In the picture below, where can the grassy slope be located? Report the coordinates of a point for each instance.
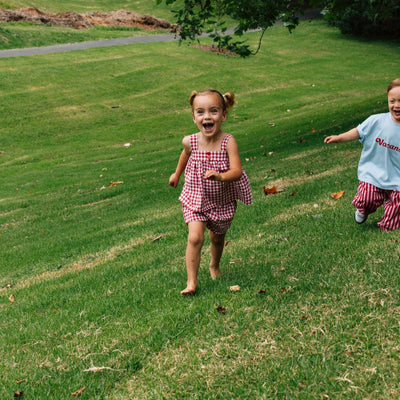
(92, 286)
(140, 6)
(23, 34)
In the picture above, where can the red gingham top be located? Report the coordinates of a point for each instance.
(199, 194)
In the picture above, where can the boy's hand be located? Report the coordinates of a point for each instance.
(331, 139)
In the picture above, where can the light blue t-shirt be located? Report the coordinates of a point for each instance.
(380, 158)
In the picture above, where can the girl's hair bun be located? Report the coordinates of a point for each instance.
(192, 96)
(229, 100)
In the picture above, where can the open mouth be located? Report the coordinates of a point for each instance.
(208, 126)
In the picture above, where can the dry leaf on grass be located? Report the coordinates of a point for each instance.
(20, 393)
(78, 392)
(97, 369)
(115, 183)
(234, 288)
(221, 309)
(271, 190)
(11, 298)
(155, 239)
(337, 195)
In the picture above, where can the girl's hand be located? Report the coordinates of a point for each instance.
(213, 176)
(173, 180)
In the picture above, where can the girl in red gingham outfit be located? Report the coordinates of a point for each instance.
(214, 181)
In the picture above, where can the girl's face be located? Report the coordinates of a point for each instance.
(208, 113)
(394, 104)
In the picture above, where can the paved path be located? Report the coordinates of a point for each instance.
(59, 48)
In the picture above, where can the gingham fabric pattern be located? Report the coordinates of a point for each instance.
(369, 198)
(199, 194)
(218, 220)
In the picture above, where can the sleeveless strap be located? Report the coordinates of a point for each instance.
(193, 142)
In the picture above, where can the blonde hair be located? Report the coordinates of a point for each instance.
(393, 84)
(227, 99)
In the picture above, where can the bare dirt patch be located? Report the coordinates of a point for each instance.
(213, 49)
(87, 20)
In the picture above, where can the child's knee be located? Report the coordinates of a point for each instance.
(216, 239)
(196, 238)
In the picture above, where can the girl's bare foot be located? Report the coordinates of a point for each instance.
(215, 272)
(190, 289)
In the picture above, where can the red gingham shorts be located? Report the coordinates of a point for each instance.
(218, 220)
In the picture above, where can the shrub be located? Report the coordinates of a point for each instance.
(367, 18)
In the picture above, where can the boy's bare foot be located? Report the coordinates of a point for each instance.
(215, 272)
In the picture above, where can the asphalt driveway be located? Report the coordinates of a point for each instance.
(60, 48)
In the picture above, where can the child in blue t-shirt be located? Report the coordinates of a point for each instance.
(379, 166)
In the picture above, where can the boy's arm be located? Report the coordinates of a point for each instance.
(348, 136)
(183, 159)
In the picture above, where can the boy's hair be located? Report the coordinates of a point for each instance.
(227, 99)
(393, 84)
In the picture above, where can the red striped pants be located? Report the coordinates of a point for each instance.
(369, 198)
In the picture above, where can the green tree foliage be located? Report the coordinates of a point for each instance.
(367, 18)
(196, 17)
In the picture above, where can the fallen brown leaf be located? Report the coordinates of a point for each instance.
(261, 291)
(337, 195)
(234, 288)
(269, 190)
(115, 183)
(78, 392)
(157, 238)
(293, 193)
(11, 298)
(20, 393)
(221, 309)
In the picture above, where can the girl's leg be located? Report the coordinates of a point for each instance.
(216, 249)
(368, 198)
(391, 217)
(193, 250)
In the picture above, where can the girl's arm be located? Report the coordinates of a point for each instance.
(235, 171)
(183, 159)
(352, 134)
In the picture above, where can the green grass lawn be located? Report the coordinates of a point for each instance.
(26, 34)
(92, 238)
(54, 6)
